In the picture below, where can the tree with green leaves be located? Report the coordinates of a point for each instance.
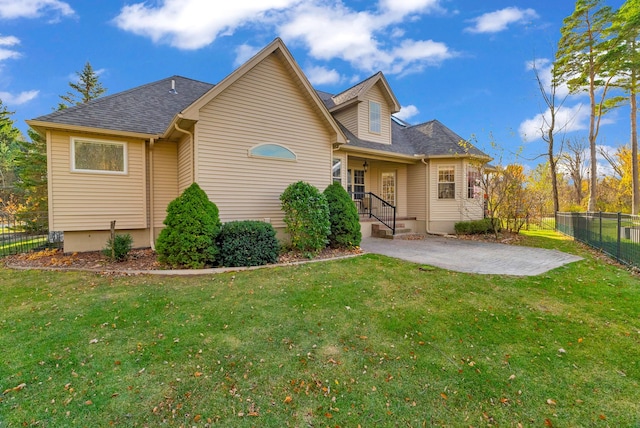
(9, 137)
(579, 63)
(87, 88)
(623, 61)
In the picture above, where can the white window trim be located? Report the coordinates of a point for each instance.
(438, 182)
(252, 155)
(379, 131)
(125, 149)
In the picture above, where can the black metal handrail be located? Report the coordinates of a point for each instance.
(373, 206)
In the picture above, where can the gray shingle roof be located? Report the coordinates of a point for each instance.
(146, 109)
(430, 138)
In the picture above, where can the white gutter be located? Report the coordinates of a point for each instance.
(152, 233)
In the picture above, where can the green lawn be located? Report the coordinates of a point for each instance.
(369, 340)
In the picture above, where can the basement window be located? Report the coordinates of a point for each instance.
(97, 156)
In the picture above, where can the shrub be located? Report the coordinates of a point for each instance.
(118, 248)
(248, 243)
(343, 217)
(306, 214)
(192, 226)
(474, 227)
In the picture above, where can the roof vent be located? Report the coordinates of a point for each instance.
(173, 87)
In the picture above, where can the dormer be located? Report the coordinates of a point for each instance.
(366, 108)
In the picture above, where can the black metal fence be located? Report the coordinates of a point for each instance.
(23, 232)
(615, 234)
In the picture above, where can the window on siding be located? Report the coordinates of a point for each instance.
(105, 157)
(272, 151)
(374, 117)
(446, 182)
(473, 184)
(336, 171)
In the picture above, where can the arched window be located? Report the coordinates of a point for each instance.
(272, 151)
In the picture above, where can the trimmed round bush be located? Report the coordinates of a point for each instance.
(248, 243)
(306, 214)
(343, 217)
(192, 226)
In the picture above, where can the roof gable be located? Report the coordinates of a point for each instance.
(278, 48)
(357, 93)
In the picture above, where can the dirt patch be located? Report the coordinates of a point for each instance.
(141, 259)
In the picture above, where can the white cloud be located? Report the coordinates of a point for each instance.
(329, 29)
(8, 53)
(405, 7)
(243, 53)
(193, 24)
(341, 32)
(568, 119)
(21, 98)
(407, 112)
(13, 9)
(322, 75)
(544, 67)
(9, 41)
(494, 22)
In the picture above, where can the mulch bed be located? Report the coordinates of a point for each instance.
(141, 259)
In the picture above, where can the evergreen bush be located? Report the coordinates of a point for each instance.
(192, 226)
(248, 243)
(306, 214)
(118, 249)
(343, 217)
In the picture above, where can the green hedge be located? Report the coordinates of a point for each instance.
(248, 243)
(474, 227)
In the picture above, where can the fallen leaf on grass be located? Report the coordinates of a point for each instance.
(92, 341)
(443, 395)
(15, 388)
(547, 423)
(197, 374)
(551, 402)
(288, 399)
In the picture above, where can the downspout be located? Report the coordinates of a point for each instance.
(429, 231)
(193, 147)
(152, 233)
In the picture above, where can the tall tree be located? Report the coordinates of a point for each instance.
(9, 136)
(573, 160)
(549, 126)
(623, 61)
(87, 88)
(579, 63)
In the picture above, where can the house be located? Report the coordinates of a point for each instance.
(124, 157)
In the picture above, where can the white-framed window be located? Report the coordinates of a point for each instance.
(355, 183)
(474, 190)
(446, 182)
(98, 156)
(336, 170)
(276, 151)
(374, 117)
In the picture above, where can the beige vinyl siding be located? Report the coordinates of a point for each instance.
(473, 208)
(262, 106)
(417, 191)
(89, 201)
(165, 180)
(374, 94)
(349, 118)
(446, 212)
(185, 163)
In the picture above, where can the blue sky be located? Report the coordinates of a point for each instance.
(463, 62)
